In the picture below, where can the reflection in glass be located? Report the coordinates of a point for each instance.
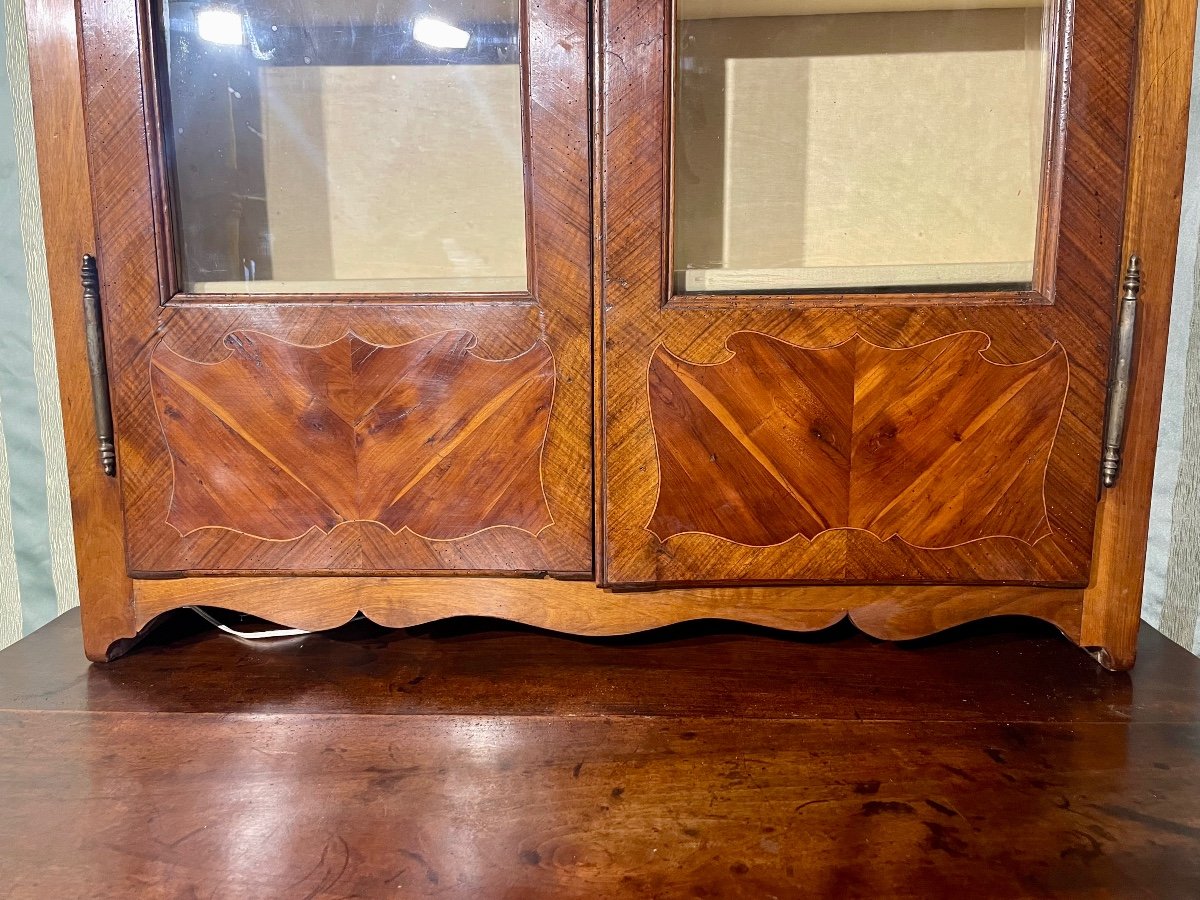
(346, 146)
(857, 145)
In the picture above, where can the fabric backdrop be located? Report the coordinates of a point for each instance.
(37, 563)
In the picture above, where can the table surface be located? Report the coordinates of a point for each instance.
(473, 758)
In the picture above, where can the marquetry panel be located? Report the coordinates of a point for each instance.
(425, 436)
(112, 612)
(934, 445)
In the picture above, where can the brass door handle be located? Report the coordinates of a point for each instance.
(1122, 373)
(98, 364)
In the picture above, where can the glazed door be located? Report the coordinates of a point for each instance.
(344, 255)
(860, 271)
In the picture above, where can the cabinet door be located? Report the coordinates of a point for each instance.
(345, 264)
(858, 287)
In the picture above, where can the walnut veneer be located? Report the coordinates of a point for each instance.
(910, 460)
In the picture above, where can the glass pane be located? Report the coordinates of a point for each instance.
(858, 145)
(346, 146)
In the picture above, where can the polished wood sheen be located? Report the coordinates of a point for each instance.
(933, 446)
(104, 584)
(947, 493)
(473, 759)
(493, 513)
(582, 608)
(1103, 616)
(426, 437)
(1160, 140)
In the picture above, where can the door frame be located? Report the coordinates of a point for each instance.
(500, 414)
(115, 609)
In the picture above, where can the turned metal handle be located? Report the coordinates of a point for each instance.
(98, 364)
(1122, 373)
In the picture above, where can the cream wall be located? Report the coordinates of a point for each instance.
(893, 146)
(396, 173)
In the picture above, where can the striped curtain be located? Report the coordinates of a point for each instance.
(37, 563)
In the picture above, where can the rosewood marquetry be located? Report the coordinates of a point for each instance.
(598, 455)
(1046, 432)
(510, 443)
(933, 445)
(353, 432)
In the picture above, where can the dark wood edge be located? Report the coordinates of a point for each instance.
(1112, 604)
(1061, 25)
(599, 320)
(531, 260)
(670, 120)
(852, 301)
(249, 576)
(159, 134)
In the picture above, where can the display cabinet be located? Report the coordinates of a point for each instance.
(606, 316)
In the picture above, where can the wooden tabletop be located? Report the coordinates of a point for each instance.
(478, 759)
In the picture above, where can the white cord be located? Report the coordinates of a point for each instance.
(249, 635)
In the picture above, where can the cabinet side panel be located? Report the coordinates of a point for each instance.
(105, 590)
(1113, 601)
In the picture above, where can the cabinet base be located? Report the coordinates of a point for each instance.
(577, 607)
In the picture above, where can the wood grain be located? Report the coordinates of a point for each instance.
(580, 607)
(472, 760)
(105, 588)
(1160, 131)
(980, 672)
(934, 444)
(641, 319)
(1112, 600)
(122, 142)
(425, 436)
(755, 449)
(454, 807)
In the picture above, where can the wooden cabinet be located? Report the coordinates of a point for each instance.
(602, 317)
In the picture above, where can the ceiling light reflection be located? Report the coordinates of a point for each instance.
(434, 33)
(220, 26)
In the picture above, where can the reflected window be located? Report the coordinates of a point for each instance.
(323, 147)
